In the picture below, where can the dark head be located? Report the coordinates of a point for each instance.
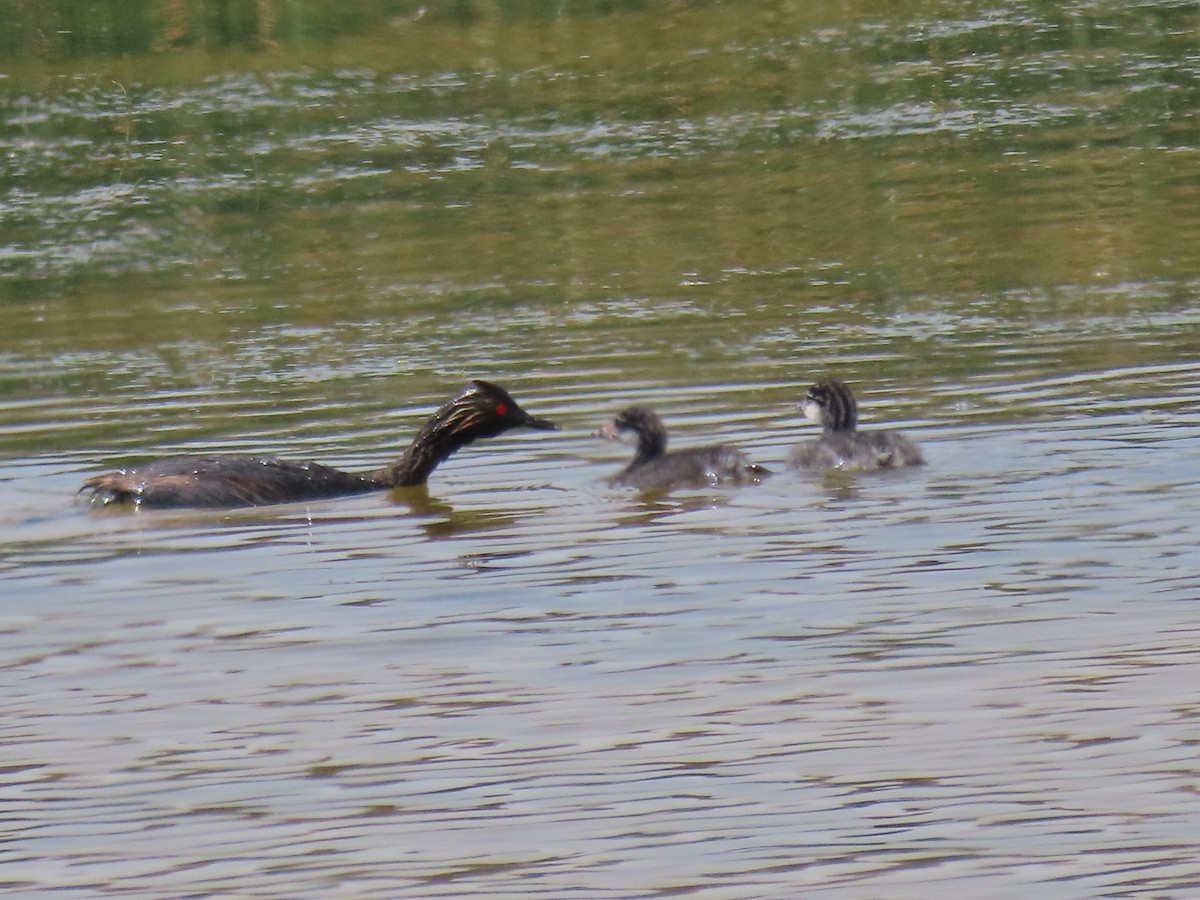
(482, 410)
(830, 403)
(641, 423)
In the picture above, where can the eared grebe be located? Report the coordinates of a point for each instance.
(830, 403)
(482, 410)
(653, 468)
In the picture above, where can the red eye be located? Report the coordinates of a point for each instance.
(502, 409)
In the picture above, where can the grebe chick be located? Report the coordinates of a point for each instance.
(482, 410)
(831, 404)
(653, 468)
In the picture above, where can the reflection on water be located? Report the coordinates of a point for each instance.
(519, 680)
(523, 677)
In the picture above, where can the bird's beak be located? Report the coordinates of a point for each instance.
(609, 432)
(539, 424)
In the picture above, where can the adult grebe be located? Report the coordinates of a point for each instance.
(482, 410)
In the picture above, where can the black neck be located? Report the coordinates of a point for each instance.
(651, 443)
(438, 439)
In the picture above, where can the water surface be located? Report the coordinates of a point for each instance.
(278, 233)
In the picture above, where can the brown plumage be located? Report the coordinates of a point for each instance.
(482, 410)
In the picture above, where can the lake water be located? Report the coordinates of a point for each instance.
(277, 230)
